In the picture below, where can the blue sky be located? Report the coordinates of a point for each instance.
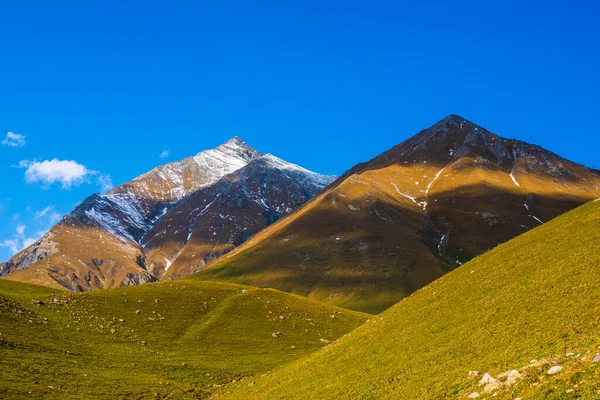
(325, 84)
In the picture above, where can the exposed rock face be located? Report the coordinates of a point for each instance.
(392, 225)
(40, 250)
(125, 237)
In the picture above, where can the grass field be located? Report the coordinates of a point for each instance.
(536, 297)
(167, 340)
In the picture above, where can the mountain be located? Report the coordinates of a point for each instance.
(528, 305)
(392, 225)
(168, 340)
(216, 219)
(133, 233)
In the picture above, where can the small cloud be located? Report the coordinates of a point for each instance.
(164, 154)
(41, 213)
(55, 217)
(19, 241)
(14, 140)
(28, 242)
(104, 183)
(12, 244)
(49, 212)
(68, 172)
(21, 230)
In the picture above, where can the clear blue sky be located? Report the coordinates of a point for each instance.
(325, 84)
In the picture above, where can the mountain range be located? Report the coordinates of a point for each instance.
(168, 222)
(364, 241)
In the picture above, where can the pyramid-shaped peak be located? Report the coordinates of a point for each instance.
(235, 140)
(455, 118)
(236, 145)
(456, 122)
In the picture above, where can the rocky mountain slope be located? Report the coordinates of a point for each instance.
(106, 240)
(525, 314)
(390, 226)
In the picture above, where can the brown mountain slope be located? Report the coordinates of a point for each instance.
(389, 226)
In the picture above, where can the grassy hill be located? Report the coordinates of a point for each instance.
(536, 297)
(165, 340)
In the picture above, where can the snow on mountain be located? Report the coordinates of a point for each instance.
(171, 182)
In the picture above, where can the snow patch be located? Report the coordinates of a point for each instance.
(537, 219)
(404, 194)
(514, 179)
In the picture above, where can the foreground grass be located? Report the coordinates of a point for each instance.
(166, 340)
(535, 297)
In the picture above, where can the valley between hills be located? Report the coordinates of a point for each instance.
(457, 264)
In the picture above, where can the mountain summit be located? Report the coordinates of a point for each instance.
(125, 237)
(389, 226)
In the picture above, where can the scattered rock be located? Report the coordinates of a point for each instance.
(325, 341)
(138, 312)
(570, 354)
(555, 370)
(276, 334)
(490, 387)
(512, 377)
(487, 379)
(473, 374)
(474, 395)
(156, 300)
(532, 361)
(596, 358)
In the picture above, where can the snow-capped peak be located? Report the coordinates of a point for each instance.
(175, 180)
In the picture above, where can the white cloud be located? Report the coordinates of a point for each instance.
(164, 154)
(55, 217)
(13, 140)
(104, 183)
(21, 230)
(41, 213)
(19, 241)
(12, 244)
(28, 242)
(49, 212)
(68, 172)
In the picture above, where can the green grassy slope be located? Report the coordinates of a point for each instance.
(535, 297)
(166, 340)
